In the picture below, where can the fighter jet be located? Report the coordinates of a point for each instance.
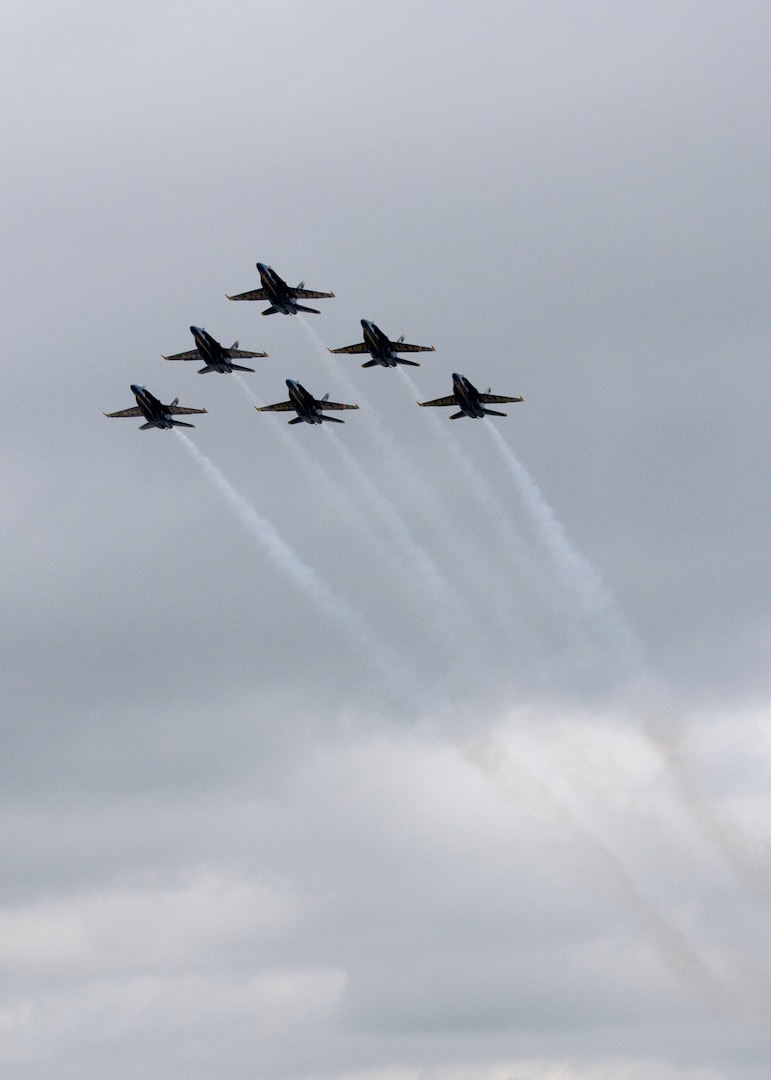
(471, 402)
(382, 350)
(282, 297)
(215, 356)
(306, 406)
(156, 414)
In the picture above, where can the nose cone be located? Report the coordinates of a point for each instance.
(291, 383)
(196, 330)
(262, 267)
(366, 324)
(137, 389)
(457, 377)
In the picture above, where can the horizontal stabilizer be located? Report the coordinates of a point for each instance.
(300, 307)
(238, 367)
(370, 363)
(494, 412)
(297, 420)
(410, 363)
(268, 311)
(146, 427)
(457, 415)
(181, 423)
(334, 419)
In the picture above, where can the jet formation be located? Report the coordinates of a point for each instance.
(383, 352)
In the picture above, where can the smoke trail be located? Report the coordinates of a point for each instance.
(425, 496)
(429, 573)
(306, 460)
(303, 575)
(576, 571)
(475, 482)
(606, 871)
(427, 568)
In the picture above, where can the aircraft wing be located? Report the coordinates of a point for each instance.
(360, 348)
(238, 354)
(191, 354)
(402, 346)
(255, 294)
(180, 410)
(309, 294)
(333, 405)
(280, 406)
(135, 411)
(449, 400)
(497, 399)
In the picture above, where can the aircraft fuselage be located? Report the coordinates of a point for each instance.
(378, 344)
(303, 402)
(153, 411)
(212, 353)
(277, 289)
(469, 401)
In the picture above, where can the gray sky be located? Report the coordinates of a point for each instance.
(406, 750)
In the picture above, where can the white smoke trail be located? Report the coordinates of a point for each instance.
(298, 448)
(429, 573)
(475, 482)
(303, 575)
(593, 860)
(425, 496)
(576, 571)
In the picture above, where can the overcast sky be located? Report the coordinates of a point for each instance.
(407, 749)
